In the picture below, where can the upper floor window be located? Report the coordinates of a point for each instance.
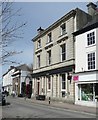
(91, 38)
(63, 52)
(63, 29)
(38, 61)
(49, 57)
(49, 38)
(91, 61)
(39, 43)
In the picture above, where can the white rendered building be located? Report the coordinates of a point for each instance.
(86, 64)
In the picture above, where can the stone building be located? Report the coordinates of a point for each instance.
(54, 58)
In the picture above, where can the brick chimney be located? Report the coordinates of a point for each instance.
(91, 8)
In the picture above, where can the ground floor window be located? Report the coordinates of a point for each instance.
(87, 92)
(63, 84)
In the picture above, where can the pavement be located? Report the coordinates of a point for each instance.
(63, 105)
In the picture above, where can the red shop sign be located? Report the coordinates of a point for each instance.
(75, 78)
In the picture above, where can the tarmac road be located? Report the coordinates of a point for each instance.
(20, 108)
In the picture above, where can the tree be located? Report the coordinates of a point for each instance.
(9, 30)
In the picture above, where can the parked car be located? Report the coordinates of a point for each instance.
(2, 99)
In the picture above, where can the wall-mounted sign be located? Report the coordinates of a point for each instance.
(75, 78)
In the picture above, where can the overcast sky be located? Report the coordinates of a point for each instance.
(37, 14)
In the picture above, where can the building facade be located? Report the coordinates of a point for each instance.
(7, 80)
(86, 61)
(21, 78)
(54, 58)
(17, 79)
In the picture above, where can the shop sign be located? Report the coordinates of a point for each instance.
(75, 78)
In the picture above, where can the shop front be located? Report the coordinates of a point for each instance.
(86, 89)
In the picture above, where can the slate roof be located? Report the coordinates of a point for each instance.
(89, 26)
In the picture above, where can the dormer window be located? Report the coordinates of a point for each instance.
(49, 38)
(63, 28)
(39, 43)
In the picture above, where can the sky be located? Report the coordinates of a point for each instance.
(37, 14)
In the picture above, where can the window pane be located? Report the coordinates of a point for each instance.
(91, 61)
(63, 52)
(91, 38)
(63, 81)
(87, 92)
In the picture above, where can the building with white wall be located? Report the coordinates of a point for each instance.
(86, 64)
(54, 58)
(16, 79)
(20, 79)
(7, 80)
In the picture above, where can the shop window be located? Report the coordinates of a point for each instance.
(87, 92)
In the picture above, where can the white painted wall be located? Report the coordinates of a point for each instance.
(81, 51)
(7, 79)
(97, 48)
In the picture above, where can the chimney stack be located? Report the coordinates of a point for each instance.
(40, 30)
(91, 8)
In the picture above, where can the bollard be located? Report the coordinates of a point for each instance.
(49, 100)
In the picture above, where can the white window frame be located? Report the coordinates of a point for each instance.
(38, 61)
(63, 81)
(62, 53)
(63, 90)
(48, 57)
(79, 96)
(63, 31)
(39, 44)
(91, 36)
(49, 37)
(91, 61)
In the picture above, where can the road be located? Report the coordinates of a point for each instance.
(20, 108)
